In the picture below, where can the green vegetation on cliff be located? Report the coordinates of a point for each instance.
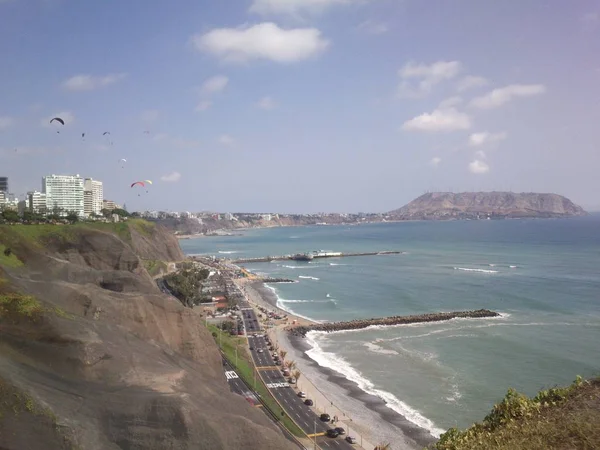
(557, 418)
(186, 284)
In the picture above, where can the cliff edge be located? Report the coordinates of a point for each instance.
(447, 205)
(94, 356)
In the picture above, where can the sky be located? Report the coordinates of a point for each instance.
(302, 106)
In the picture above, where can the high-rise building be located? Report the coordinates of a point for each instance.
(64, 194)
(95, 196)
(109, 205)
(37, 202)
(4, 184)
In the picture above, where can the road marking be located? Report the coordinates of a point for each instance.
(230, 374)
(316, 434)
(277, 385)
(266, 367)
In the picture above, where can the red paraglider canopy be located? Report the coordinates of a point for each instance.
(138, 182)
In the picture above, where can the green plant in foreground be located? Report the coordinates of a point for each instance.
(518, 420)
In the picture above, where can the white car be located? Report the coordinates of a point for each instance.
(302, 394)
(260, 350)
(351, 439)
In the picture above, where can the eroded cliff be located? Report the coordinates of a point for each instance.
(93, 356)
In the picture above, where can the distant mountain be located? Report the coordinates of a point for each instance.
(472, 205)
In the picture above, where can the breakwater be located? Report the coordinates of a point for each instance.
(317, 256)
(276, 280)
(394, 320)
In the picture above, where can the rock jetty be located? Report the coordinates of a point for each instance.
(394, 320)
(277, 280)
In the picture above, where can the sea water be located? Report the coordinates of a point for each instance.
(542, 275)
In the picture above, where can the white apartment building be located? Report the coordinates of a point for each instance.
(64, 192)
(36, 202)
(93, 200)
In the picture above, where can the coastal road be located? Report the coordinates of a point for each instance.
(237, 386)
(304, 416)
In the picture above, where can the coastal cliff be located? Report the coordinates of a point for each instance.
(94, 356)
(447, 205)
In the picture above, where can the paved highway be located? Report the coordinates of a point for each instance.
(303, 415)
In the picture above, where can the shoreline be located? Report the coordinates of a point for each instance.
(413, 436)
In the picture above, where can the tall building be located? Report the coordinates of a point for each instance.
(64, 194)
(4, 184)
(109, 205)
(36, 202)
(95, 196)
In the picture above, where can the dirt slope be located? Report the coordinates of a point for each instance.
(93, 356)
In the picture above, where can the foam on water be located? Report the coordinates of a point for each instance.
(337, 363)
(228, 252)
(378, 349)
(466, 269)
(308, 278)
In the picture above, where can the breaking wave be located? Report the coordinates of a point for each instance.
(308, 278)
(340, 365)
(465, 269)
(228, 252)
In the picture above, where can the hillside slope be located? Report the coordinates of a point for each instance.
(555, 419)
(440, 205)
(93, 356)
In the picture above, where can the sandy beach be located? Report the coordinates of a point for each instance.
(334, 394)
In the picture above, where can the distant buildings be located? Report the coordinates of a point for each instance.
(4, 184)
(109, 205)
(64, 194)
(93, 196)
(36, 202)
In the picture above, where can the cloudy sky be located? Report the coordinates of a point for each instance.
(302, 105)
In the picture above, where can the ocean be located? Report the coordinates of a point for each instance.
(543, 276)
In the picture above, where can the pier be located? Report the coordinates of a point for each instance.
(315, 256)
(395, 320)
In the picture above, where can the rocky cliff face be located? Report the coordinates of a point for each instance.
(438, 205)
(93, 356)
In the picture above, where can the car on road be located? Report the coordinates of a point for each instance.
(292, 380)
(308, 402)
(260, 350)
(332, 433)
(351, 439)
(302, 394)
(325, 417)
(251, 348)
(340, 430)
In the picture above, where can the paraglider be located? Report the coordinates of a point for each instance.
(105, 133)
(59, 120)
(149, 182)
(82, 135)
(124, 161)
(136, 183)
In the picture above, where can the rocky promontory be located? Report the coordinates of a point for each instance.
(94, 356)
(481, 205)
(394, 320)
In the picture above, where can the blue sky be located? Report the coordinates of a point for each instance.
(302, 105)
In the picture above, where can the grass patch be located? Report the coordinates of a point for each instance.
(8, 258)
(558, 418)
(142, 226)
(13, 305)
(245, 369)
(154, 266)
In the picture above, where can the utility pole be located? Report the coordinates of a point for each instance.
(236, 360)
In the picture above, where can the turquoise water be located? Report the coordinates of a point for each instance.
(445, 374)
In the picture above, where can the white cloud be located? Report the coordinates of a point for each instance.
(267, 103)
(67, 116)
(435, 161)
(150, 115)
(214, 84)
(372, 27)
(471, 82)
(478, 139)
(226, 140)
(478, 167)
(448, 119)
(171, 177)
(90, 82)
(450, 102)
(295, 7)
(427, 76)
(6, 122)
(204, 105)
(500, 96)
(261, 41)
